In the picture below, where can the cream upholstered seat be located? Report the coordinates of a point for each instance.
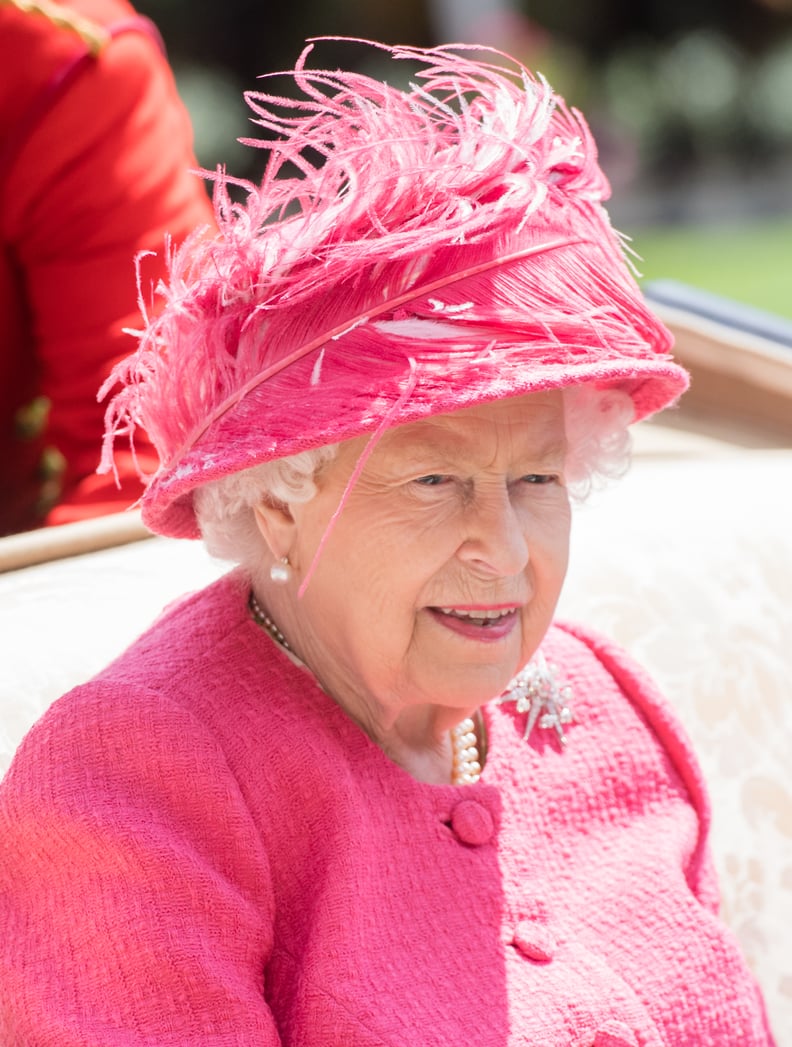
(687, 562)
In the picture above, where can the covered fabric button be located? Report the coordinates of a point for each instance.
(534, 941)
(615, 1034)
(472, 823)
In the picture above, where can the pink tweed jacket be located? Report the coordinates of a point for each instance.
(199, 848)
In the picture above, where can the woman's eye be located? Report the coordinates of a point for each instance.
(431, 480)
(539, 478)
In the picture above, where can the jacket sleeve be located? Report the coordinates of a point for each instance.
(135, 897)
(107, 173)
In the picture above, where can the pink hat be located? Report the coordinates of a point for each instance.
(408, 253)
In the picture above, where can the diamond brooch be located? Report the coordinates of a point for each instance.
(535, 690)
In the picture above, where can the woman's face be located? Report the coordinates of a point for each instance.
(442, 572)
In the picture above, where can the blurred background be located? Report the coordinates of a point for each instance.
(690, 101)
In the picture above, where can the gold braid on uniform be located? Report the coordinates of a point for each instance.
(92, 35)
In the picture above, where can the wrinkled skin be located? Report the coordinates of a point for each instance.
(465, 512)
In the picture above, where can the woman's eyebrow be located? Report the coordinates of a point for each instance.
(439, 446)
(552, 449)
(434, 443)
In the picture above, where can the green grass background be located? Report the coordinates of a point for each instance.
(749, 263)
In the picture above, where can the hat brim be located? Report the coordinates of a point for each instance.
(278, 419)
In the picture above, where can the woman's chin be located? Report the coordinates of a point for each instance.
(481, 660)
(469, 686)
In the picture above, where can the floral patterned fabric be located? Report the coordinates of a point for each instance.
(687, 563)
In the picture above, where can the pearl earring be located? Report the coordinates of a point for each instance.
(281, 571)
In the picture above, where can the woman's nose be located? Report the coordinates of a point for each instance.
(496, 539)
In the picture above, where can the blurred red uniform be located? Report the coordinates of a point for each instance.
(95, 165)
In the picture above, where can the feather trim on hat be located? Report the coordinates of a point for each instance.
(391, 229)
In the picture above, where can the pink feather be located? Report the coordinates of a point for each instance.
(464, 199)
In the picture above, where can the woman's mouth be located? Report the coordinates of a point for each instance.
(477, 623)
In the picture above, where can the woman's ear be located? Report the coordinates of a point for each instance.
(277, 527)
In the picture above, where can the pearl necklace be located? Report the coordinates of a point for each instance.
(267, 623)
(465, 763)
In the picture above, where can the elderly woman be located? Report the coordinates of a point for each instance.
(361, 791)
